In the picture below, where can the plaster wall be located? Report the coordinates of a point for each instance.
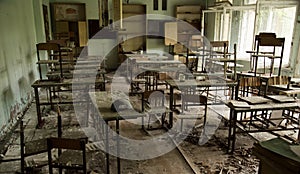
(17, 58)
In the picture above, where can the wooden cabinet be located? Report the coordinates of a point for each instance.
(188, 23)
(133, 27)
(179, 31)
(69, 20)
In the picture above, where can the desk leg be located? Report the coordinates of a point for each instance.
(50, 96)
(271, 67)
(107, 148)
(118, 145)
(171, 107)
(232, 131)
(232, 93)
(255, 65)
(171, 98)
(38, 109)
(86, 122)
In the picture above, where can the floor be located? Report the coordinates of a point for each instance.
(210, 157)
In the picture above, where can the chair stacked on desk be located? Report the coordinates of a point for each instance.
(257, 90)
(221, 62)
(267, 45)
(53, 58)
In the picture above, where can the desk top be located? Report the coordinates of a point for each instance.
(158, 62)
(165, 69)
(103, 100)
(197, 83)
(221, 59)
(284, 90)
(265, 106)
(67, 82)
(141, 55)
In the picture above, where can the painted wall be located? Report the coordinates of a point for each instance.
(295, 54)
(17, 58)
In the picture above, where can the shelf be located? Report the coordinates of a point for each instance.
(134, 23)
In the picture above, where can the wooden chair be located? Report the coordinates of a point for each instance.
(38, 146)
(219, 49)
(30, 148)
(53, 57)
(220, 61)
(251, 87)
(71, 154)
(67, 56)
(248, 86)
(291, 115)
(265, 46)
(195, 51)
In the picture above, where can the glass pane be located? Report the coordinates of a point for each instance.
(278, 20)
(245, 35)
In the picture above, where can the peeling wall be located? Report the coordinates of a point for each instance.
(17, 58)
(295, 55)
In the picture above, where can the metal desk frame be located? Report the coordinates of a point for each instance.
(234, 110)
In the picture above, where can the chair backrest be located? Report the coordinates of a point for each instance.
(219, 48)
(53, 52)
(153, 99)
(279, 80)
(248, 85)
(61, 42)
(30, 148)
(48, 46)
(66, 144)
(276, 80)
(268, 39)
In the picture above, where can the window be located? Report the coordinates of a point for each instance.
(239, 24)
(278, 18)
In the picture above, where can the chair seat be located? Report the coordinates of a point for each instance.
(69, 158)
(190, 116)
(75, 135)
(158, 110)
(138, 80)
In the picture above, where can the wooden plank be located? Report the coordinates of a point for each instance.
(82, 31)
(171, 33)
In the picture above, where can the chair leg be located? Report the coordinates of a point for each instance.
(181, 125)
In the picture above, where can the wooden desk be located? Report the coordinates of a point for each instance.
(288, 90)
(180, 85)
(135, 62)
(82, 84)
(233, 119)
(102, 102)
